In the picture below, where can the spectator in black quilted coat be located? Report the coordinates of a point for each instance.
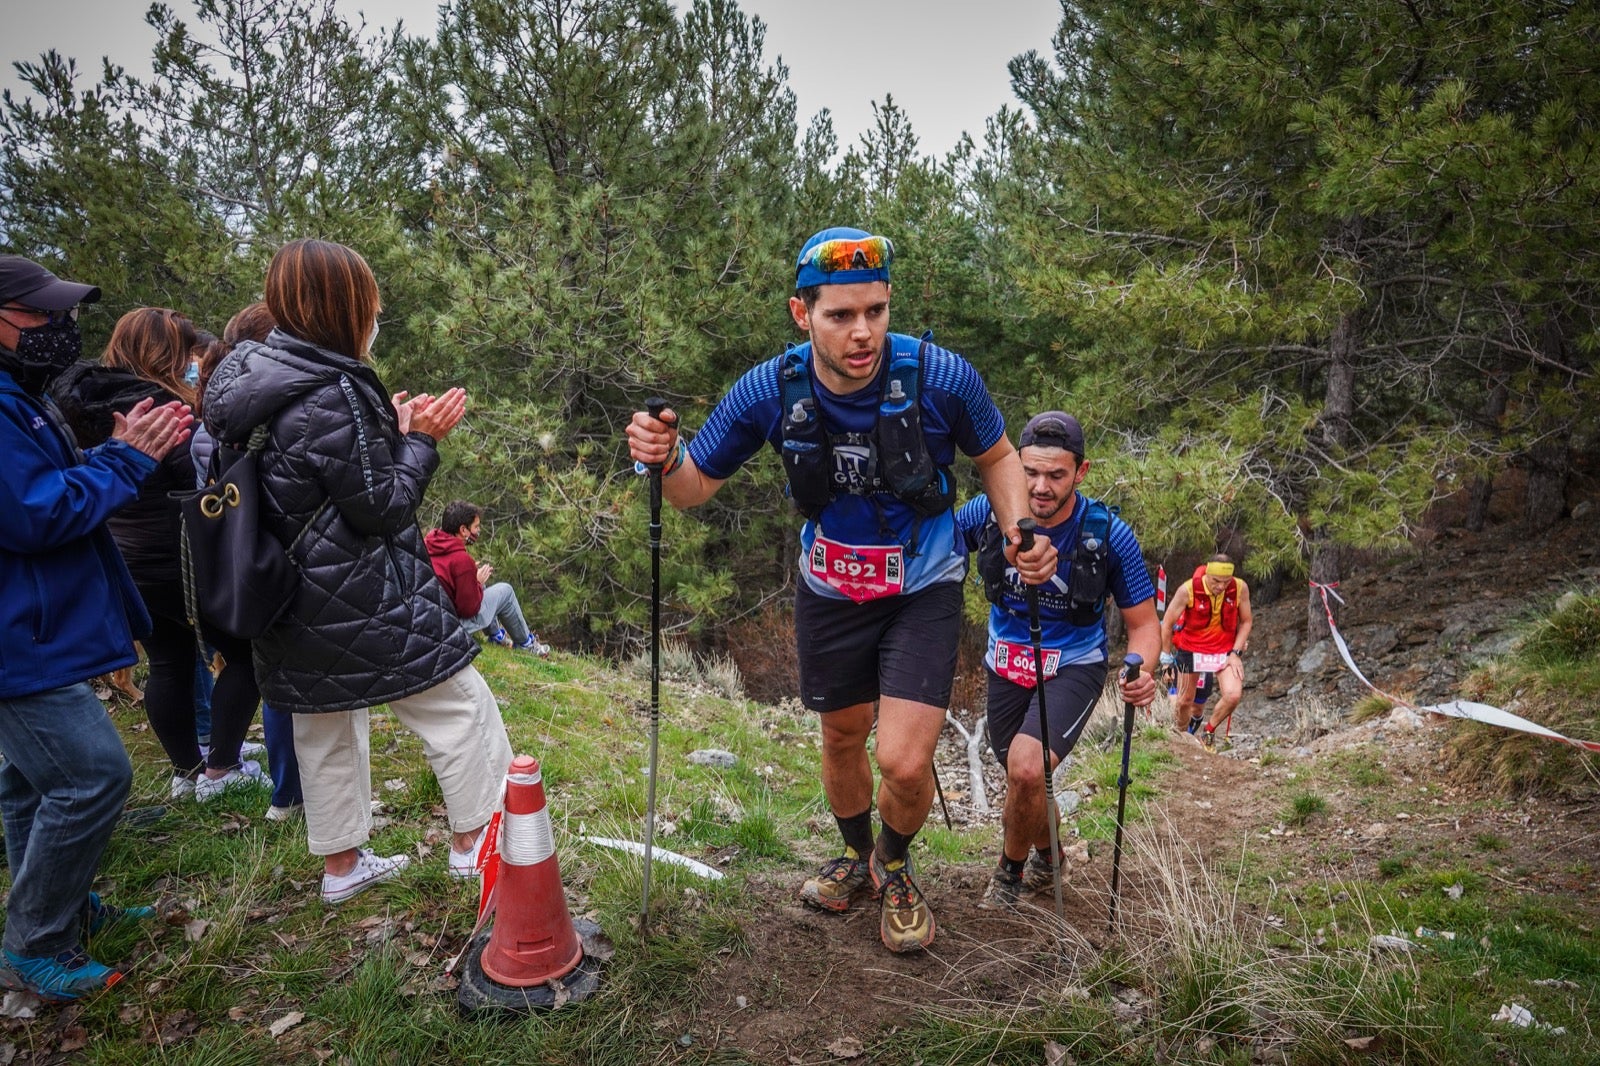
(343, 472)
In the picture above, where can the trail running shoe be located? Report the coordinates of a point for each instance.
(904, 921)
(1004, 891)
(1210, 740)
(102, 915)
(532, 644)
(836, 885)
(58, 978)
(1037, 875)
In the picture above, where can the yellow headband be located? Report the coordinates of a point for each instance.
(1219, 569)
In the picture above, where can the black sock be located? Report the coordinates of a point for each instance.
(1044, 855)
(857, 832)
(1012, 866)
(895, 843)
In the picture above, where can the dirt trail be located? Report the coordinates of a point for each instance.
(814, 988)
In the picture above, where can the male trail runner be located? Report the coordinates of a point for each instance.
(1206, 630)
(1099, 555)
(867, 423)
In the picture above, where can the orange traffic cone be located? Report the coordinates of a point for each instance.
(534, 956)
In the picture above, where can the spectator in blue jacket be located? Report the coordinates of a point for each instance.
(70, 613)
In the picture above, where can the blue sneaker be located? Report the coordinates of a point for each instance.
(103, 915)
(60, 979)
(499, 637)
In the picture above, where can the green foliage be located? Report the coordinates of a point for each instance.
(1553, 678)
(1568, 635)
(1303, 806)
(1305, 219)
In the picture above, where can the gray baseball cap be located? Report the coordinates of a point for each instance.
(25, 282)
(1053, 429)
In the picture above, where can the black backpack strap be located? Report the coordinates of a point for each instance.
(807, 456)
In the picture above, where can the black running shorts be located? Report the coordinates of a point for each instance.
(1069, 699)
(899, 646)
(1184, 664)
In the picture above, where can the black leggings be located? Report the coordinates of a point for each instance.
(169, 692)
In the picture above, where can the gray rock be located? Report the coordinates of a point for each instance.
(1315, 657)
(713, 757)
(1381, 640)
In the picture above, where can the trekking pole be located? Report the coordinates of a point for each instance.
(937, 787)
(1026, 527)
(1130, 673)
(656, 406)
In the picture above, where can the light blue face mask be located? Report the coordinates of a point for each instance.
(372, 338)
(192, 375)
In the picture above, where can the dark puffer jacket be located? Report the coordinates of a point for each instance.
(370, 623)
(147, 530)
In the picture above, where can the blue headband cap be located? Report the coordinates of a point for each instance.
(808, 272)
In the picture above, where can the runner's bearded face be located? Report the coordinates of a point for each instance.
(848, 324)
(1053, 475)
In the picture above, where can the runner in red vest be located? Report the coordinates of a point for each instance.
(1205, 631)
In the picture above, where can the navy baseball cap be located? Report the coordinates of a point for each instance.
(1053, 429)
(25, 282)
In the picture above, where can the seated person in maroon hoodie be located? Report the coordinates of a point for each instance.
(494, 608)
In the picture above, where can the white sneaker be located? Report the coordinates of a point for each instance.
(207, 788)
(182, 788)
(464, 864)
(247, 749)
(283, 814)
(368, 871)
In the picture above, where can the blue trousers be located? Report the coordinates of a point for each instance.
(278, 732)
(62, 786)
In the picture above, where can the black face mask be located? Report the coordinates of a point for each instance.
(42, 353)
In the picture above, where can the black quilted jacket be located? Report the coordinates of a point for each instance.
(370, 623)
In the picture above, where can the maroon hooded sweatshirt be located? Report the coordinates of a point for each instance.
(457, 571)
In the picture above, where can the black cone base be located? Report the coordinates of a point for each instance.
(479, 993)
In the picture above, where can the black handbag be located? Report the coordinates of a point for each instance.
(237, 576)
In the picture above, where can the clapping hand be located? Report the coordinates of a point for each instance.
(153, 430)
(434, 415)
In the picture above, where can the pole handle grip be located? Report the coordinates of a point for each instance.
(655, 405)
(1131, 665)
(1026, 526)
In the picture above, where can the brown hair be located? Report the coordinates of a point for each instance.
(324, 293)
(251, 323)
(155, 344)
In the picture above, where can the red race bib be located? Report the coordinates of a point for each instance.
(861, 572)
(1014, 662)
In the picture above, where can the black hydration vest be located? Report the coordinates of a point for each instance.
(1088, 576)
(896, 456)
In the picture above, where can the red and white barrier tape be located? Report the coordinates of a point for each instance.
(1475, 712)
(1161, 591)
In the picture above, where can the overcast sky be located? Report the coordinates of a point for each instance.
(944, 60)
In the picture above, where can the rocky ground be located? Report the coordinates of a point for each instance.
(813, 986)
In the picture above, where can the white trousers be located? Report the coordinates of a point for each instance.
(463, 737)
